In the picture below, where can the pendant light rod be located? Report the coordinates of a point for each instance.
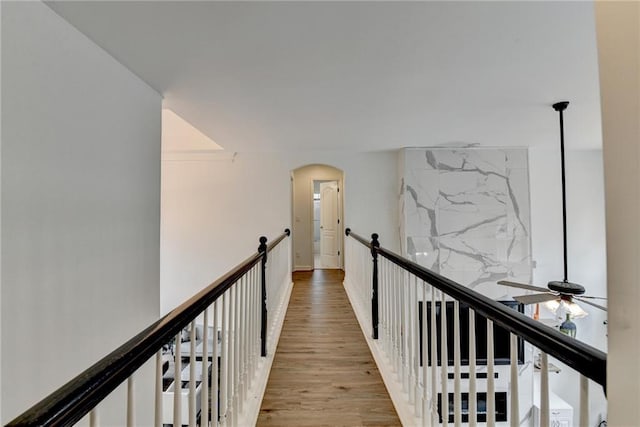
(560, 107)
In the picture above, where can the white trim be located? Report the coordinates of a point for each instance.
(394, 386)
(254, 396)
(303, 268)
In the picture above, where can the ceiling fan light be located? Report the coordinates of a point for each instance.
(552, 305)
(575, 310)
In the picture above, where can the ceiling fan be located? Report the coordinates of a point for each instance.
(558, 292)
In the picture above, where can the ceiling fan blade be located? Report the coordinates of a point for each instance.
(590, 297)
(522, 286)
(536, 298)
(590, 303)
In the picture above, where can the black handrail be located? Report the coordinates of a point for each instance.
(587, 360)
(278, 239)
(68, 404)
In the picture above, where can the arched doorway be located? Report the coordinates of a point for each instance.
(317, 224)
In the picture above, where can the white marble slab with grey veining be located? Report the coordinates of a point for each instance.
(465, 214)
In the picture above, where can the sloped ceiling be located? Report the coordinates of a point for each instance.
(259, 76)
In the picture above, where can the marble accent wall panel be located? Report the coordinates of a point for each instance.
(465, 214)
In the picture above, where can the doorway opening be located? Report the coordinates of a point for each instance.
(317, 217)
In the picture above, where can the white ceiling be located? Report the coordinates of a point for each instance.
(360, 75)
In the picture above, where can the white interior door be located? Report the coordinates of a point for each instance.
(329, 245)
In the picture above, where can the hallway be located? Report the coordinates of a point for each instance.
(323, 372)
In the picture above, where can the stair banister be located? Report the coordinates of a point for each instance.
(395, 280)
(71, 402)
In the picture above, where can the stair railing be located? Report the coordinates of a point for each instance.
(207, 353)
(403, 304)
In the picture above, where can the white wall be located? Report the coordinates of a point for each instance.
(213, 211)
(618, 28)
(586, 247)
(80, 204)
(585, 229)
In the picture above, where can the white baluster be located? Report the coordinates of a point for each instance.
(394, 318)
(236, 352)
(402, 312)
(491, 397)
(584, 400)
(255, 335)
(367, 292)
(215, 363)
(385, 304)
(410, 338)
(249, 320)
(390, 314)
(94, 419)
(204, 384)
(158, 396)
(258, 314)
(131, 410)
(192, 375)
(387, 308)
(244, 336)
(231, 374)
(426, 413)
(434, 359)
(473, 397)
(406, 334)
(444, 359)
(224, 359)
(457, 396)
(544, 390)
(177, 382)
(381, 302)
(515, 409)
(415, 351)
(391, 323)
(398, 322)
(240, 338)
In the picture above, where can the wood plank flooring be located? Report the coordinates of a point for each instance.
(323, 373)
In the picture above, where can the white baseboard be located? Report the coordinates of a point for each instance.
(399, 398)
(249, 415)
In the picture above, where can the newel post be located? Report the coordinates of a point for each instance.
(262, 249)
(375, 244)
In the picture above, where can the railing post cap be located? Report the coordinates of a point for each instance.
(374, 236)
(263, 246)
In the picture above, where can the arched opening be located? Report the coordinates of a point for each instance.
(317, 214)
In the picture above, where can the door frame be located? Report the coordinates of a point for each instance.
(340, 228)
(302, 198)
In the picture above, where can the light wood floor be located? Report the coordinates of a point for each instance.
(323, 372)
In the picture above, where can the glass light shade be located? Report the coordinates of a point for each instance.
(571, 307)
(552, 305)
(575, 310)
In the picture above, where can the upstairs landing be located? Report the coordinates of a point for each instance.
(323, 372)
